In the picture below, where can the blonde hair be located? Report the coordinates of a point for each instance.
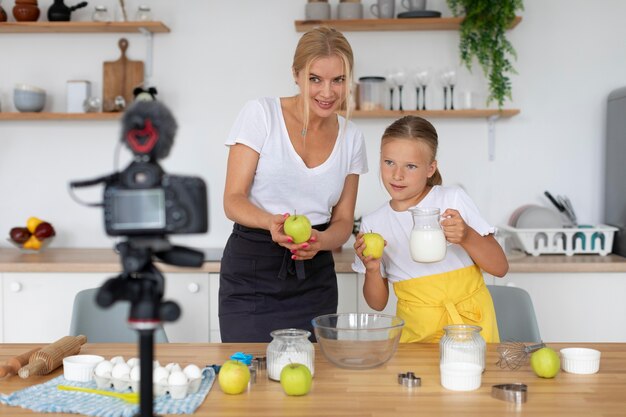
(322, 42)
(420, 130)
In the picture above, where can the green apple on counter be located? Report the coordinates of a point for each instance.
(374, 245)
(295, 378)
(298, 227)
(545, 362)
(234, 377)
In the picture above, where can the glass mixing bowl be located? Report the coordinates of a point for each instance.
(358, 340)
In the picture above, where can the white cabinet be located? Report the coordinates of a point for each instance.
(37, 307)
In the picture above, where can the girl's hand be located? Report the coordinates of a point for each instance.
(370, 263)
(454, 227)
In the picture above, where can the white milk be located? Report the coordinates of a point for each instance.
(428, 245)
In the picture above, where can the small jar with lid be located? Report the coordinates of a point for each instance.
(143, 14)
(289, 346)
(101, 14)
(372, 93)
(462, 343)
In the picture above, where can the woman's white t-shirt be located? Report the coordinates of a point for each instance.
(282, 182)
(395, 227)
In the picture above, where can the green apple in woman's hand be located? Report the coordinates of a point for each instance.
(298, 227)
(374, 245)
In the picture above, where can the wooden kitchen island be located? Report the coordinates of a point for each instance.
(376, 392)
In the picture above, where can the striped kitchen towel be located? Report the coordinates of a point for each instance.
(46, 398)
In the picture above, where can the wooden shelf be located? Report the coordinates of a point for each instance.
(59, 116)
(83, 27)
(359, 25)
(443, 114)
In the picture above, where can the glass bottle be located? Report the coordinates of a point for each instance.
(143, 14)
(462, 343)
(428, 243)
(101, 14)
(289, 346)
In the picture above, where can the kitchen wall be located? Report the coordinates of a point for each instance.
(219, 54)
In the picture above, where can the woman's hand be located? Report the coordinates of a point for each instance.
(370, 263)
(454, 227)
(299, 251)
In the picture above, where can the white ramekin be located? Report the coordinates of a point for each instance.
(461, 376)
(580, 360)
(80, 367)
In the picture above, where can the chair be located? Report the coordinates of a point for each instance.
(105, 325)
(515, 314)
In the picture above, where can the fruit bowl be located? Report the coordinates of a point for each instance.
(358, 340)
(44, 244)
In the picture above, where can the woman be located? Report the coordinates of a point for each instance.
(290, 155)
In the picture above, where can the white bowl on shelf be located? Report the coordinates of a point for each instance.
(580, 360)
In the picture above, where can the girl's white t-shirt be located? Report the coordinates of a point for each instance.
(282, 182)
(395, 227)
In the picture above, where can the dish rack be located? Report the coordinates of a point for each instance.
(569, 241)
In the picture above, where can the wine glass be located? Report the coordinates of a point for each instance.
(400, 77)
(422, 77)
(451, 83)
(448, 80)
(391, 80)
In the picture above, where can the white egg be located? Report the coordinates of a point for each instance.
(159, 374)
(135, 373)
(117, 359)
(177, 378)
(133, 362)
(120, 371)
(173, 367)
(155, 364)
(192, 371)
(103, 369)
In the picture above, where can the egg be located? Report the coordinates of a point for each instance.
(172, 367)
(120, 371)
(192, 371)
(117, 359)
(135, 373)
(177, 378)
(103, 369)
(160, 374)
(155, 364)
(132, 362)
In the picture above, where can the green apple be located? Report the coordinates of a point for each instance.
(374, 245)
(298, 227)
(545, 362)
(295, 378)
(234, 377)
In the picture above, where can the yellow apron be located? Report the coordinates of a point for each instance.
(427, 304)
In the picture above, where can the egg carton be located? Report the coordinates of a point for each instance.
(568, 241)
(170, 379)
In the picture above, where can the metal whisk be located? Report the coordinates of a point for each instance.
(514, 354)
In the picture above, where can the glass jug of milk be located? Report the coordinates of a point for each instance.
(428, 243)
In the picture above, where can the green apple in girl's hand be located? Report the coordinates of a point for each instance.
(374, 245)
(298, 227)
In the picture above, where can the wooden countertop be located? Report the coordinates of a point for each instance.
(376, 392)
(105, 260)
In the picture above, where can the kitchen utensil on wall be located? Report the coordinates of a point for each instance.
(120, 78)
(13, 365)
(51, 357)
(59, 12)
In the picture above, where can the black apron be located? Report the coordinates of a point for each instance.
(262, 289)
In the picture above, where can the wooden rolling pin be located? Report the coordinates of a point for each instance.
(51, 357)
(13, 365)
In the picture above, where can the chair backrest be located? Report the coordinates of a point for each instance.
(515, 314)
(105, 325)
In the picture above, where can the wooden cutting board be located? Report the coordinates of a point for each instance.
(120, 78)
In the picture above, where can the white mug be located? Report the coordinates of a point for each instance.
(384, 9)
(317, 11)
(350, 11)
(412, 5)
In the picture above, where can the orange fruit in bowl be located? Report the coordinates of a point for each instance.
(32, 223)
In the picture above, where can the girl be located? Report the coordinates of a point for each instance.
(430, 295)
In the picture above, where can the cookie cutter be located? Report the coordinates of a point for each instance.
(516, 393)
(409, 379)
(261, 363)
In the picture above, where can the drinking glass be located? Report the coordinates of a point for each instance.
(421, 78)
(391, 80)
(400, 77)
(448, 80)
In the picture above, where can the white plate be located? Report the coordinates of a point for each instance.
(537, 217)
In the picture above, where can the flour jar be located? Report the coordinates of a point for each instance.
(462, 343)
(289, 346)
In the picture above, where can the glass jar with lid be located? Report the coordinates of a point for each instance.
(372, 91)
(101, 14)
(462, 343)
(289, 346)
(143, 14)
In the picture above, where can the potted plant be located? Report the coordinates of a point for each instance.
(483, 37)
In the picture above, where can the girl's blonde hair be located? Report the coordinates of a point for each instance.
(322, 42)
(420, 130)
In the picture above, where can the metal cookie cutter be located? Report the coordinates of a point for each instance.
(515, 393)
(409, 380)
(261, 363)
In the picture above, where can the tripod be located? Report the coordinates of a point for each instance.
(142, 284)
